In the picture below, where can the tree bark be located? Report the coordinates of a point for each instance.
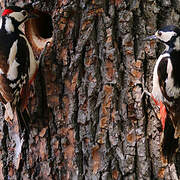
(88, 118)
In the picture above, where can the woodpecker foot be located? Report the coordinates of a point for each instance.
(163, 114)
(145, 92)
(42, 55)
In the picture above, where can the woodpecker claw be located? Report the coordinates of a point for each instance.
(145, 92)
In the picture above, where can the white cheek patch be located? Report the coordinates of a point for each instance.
(166, 36)
(9, 26)
(18, 16)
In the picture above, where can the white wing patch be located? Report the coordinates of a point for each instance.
(13, 71)
(13, 64)
(12, 53)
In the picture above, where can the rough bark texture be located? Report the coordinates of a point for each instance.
(90, 122)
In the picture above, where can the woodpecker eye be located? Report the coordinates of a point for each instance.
(159, 33)
(24, 13)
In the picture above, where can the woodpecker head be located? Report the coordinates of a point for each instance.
(168, 35)
(17, 14)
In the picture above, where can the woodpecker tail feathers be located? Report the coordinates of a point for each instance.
(171, 132)
(169, 144)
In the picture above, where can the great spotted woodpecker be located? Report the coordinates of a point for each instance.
(166, 88)
(18, 65)
(18, 68)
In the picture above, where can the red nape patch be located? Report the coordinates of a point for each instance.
(7, 11)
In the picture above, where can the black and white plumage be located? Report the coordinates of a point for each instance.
(17, 62)
(18, 68)
(166, 88)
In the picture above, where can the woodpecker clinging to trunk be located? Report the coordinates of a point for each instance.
(17, 62)
(166, 88)
(18, 68)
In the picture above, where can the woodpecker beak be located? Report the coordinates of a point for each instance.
(153, 37)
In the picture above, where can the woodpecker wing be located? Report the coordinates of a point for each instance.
(162, 76)
(14, 67)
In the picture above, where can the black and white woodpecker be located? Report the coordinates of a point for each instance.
(166, 88)
(18, 66)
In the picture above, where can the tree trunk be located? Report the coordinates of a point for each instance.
(88, 119)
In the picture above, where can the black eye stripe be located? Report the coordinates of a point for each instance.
(159, 33)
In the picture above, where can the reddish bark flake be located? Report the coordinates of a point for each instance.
(53, 100)
(42, 148)
(74, 82)
(129, 52)
(63, 2)
(11, 171)
(138, 64)
(129, 44)
(109, 39)
(136, 73)
(115, 174)
(117, 2)
(98, 11)
(63, 55)
(108, 90)
(96, 159)
(113, 114)
(131, 137)
(62, 26)
(88, 62)
(103, 122)
(69, 27)
(68, 84)
(66, 104)
(110, 70)
(161, 173)
(43, 132)
(85, 23)
(89, 53)
(63, 20)
(84, 106)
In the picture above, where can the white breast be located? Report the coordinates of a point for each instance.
(156, 91)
